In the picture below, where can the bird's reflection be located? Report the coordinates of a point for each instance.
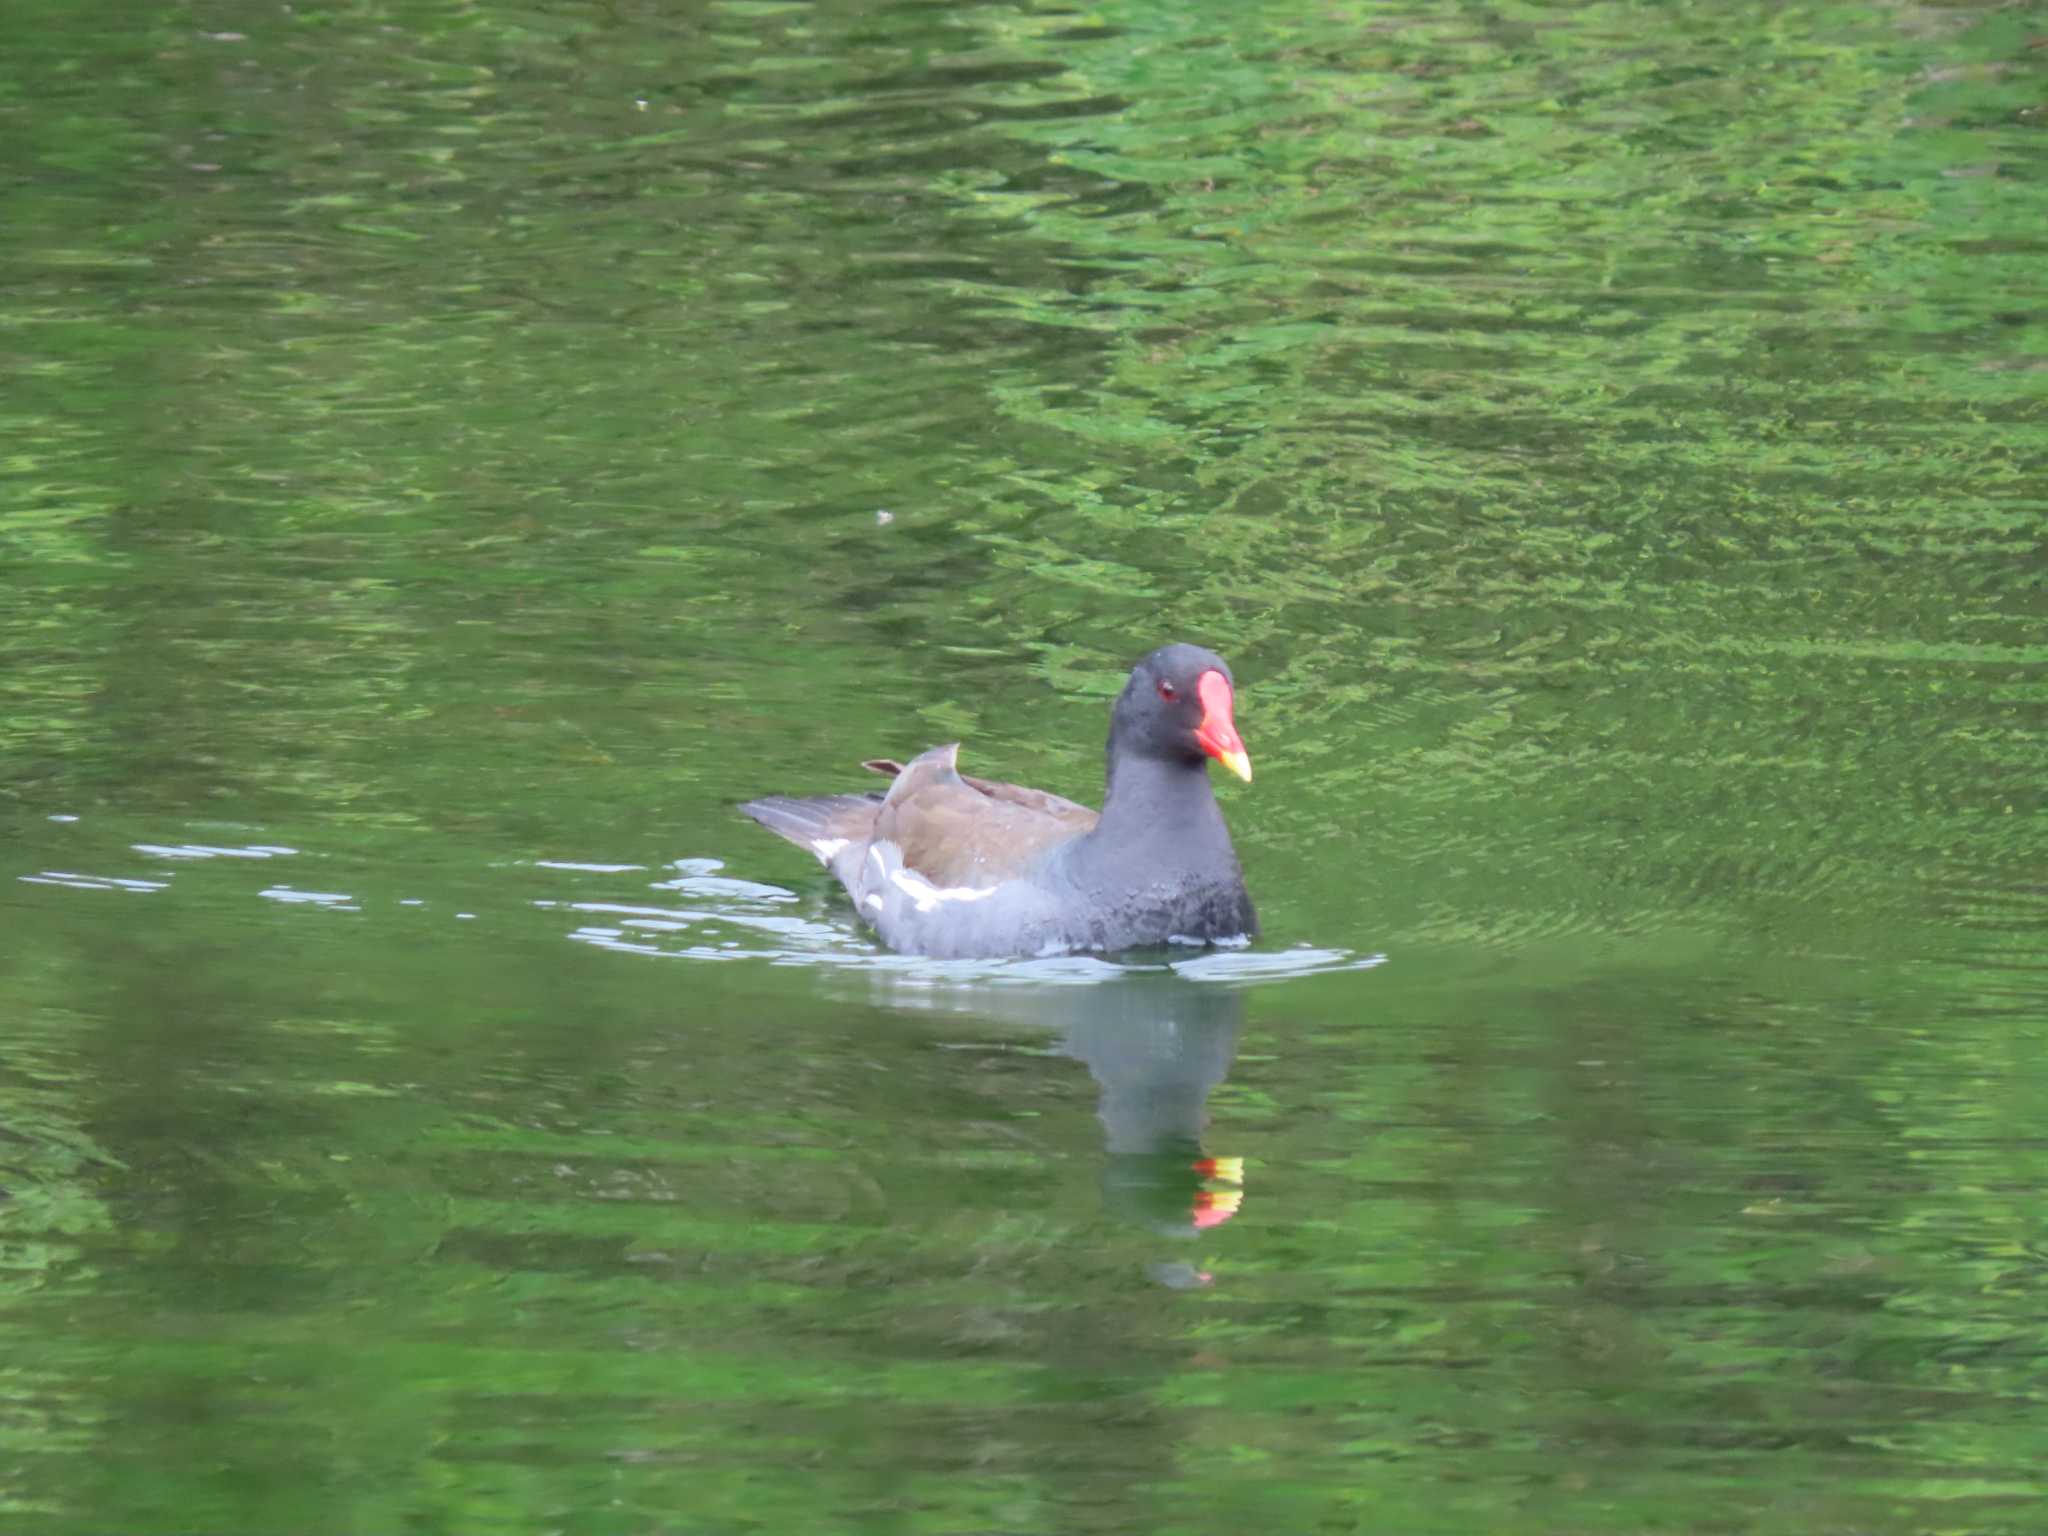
(1157, 1049)
(1157, 1046)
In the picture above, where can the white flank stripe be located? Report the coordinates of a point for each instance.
(928, 896)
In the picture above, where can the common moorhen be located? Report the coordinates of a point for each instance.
(953, 866)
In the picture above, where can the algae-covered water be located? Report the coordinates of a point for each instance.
(451, 454)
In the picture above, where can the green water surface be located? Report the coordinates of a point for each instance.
(452, 453)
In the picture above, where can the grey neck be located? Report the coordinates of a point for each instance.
(1160, 814)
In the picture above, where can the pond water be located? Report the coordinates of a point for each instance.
(451, 455)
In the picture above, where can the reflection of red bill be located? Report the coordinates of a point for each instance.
(1213, 1207)
(1229, 1169)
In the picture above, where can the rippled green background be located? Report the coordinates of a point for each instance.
(450, 453)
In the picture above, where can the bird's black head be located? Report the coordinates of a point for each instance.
(1179, 706)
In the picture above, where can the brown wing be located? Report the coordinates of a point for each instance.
(958, 831)
(1082, 819)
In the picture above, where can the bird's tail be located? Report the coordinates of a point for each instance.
(817, 820)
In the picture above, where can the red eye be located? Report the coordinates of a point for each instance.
(1168, 692)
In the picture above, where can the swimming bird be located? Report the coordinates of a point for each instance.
(947, 865)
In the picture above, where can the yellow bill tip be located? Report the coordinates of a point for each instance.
(1229, 1169)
